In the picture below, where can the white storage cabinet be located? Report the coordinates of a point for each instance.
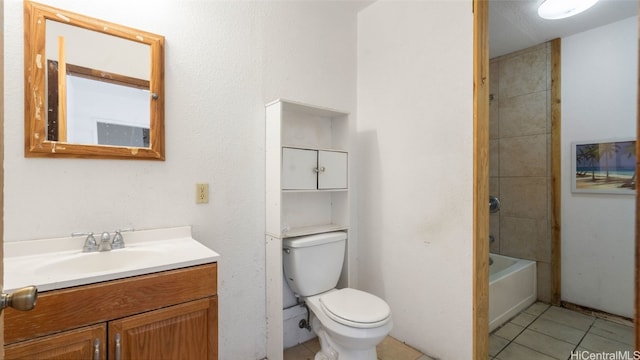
(307, 191)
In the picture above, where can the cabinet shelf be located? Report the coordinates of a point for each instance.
(285, 191)
(290, 146)
(315, 229)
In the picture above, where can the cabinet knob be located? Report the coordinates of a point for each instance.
(319, 169)
(22, 299)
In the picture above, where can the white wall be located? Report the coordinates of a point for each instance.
(224, 61)
(599, 102)
(415, 180)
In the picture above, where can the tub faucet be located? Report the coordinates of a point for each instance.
(494, 204)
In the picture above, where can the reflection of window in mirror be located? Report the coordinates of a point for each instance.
(109, 87)
(122, 135)
(94, 96)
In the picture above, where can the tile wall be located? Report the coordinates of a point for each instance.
(520, 157)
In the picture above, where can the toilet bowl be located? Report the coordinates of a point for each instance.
(350, 323)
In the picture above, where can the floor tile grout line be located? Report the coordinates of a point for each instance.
(573, 327)
(555, 338)
(584, 335)
(575, 347)
(520, 333)
(604, 337)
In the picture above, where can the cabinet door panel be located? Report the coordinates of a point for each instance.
(176, 332)
(69, 345)
(299, 169)
(334, 175)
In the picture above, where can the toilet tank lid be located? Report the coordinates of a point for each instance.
(316, 239)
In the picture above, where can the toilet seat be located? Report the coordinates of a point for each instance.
(355, 308)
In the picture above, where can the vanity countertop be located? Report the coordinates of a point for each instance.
(57, 263)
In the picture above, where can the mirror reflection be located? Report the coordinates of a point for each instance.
(96, 87)
(101, 96)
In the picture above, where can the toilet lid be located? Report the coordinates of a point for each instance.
(355, 308)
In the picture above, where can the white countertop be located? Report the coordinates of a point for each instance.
(42, 262)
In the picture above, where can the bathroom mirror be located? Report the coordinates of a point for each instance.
(93, 89)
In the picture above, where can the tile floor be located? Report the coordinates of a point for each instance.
(541, 332)
(549, 332)
(388, 349)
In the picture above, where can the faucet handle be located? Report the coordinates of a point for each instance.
(118, 239)
(90, 244)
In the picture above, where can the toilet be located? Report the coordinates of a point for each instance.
(348, 322)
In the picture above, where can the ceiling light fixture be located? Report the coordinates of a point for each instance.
(560, 9)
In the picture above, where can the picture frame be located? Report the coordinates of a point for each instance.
(604, 167)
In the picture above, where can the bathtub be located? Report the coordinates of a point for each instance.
(512, 288)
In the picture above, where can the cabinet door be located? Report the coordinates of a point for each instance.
(186, 331)
(88, 343)
(333, 170)
(299, 169)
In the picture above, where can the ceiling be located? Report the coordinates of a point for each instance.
(515, 25)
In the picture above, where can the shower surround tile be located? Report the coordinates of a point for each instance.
(520, 120)
(494, 118)
(524, 73)
(494, 158)
(524, 197)
(523, 156)
(494, 230)
(520, 237)
(544, 281)
(494, 77)
(523, 115)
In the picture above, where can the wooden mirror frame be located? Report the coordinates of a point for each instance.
(35, 124)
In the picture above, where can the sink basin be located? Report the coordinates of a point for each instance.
(100, 261)
(59, 263)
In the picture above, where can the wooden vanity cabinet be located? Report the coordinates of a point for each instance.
(73, 344)
(166, 315)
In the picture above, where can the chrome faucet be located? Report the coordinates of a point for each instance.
(118, 240)
(90, 244)
(105, 242)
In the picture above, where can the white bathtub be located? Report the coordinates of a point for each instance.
(512, 288)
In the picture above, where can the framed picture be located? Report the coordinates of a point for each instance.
(606, 167)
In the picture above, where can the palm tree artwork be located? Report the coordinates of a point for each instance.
(605, 166)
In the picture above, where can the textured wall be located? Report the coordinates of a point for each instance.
(224, 61)
(599, 102)
(415, 163)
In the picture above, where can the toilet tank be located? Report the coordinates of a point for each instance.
(312, 264)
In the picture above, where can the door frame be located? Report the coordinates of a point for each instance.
(481, 186)
(480, 179)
